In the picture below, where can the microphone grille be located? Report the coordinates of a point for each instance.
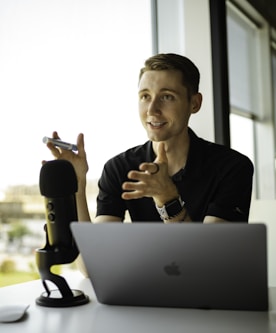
(57, 179)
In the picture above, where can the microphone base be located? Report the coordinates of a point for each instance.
(56, 300)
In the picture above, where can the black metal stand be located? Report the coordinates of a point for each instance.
(63, 296)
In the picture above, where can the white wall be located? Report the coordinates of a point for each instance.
(184, 28)
(198, 48)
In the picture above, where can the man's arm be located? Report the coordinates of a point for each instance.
(213, 219)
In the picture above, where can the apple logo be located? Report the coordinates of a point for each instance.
(172, 269)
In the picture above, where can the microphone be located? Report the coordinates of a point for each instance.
(58, 184)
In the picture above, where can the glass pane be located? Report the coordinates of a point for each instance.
(242, 63)
(242, 136)
(70, 66)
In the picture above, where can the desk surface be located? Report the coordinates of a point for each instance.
(98, 318)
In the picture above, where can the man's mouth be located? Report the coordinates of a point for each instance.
(156, 124)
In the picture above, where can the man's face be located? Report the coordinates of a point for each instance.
(164, 106)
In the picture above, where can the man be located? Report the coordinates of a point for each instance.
(175, 176)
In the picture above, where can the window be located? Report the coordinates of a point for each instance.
(251, 124)
(242, 64)
(242, 82)
(70, 66)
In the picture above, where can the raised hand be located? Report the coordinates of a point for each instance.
(151, 180)
(78, 160)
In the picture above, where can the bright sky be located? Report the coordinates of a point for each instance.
(70, 66)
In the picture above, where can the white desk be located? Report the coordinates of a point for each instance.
(97, 318)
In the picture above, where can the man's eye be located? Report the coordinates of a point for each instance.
(144, 97)
(167, 98)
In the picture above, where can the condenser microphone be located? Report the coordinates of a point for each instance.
(58, 184)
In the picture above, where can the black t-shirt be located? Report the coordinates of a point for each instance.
(216, 181)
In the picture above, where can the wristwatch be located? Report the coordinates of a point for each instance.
(171, 208)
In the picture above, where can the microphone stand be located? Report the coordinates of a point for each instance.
(55, 255)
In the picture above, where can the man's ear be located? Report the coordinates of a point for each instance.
(196, 101)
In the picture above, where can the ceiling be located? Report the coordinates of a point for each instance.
(267, 9)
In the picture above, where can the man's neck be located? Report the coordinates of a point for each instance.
(177, 152)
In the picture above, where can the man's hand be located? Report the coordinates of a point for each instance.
(78, 159)
(152, 180)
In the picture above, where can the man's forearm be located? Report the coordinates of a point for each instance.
(82, 206)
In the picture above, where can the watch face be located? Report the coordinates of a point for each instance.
(173, 208)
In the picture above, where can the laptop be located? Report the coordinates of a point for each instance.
(203, 266)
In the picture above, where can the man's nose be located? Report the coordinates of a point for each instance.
(154, 107)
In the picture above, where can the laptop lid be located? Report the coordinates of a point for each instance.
(209, 266)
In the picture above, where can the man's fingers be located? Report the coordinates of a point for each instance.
(80, 144)
(161, 154)
(149, 168)
(157, 168)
